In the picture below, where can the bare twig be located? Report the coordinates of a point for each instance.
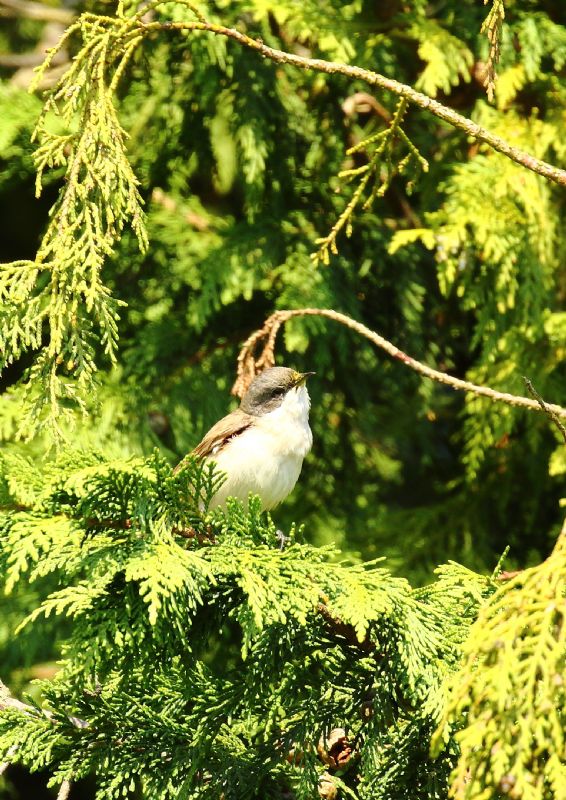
(249, 364)
(444, 113)
(362, 103)
(21, 60)
(7, 702)
(167, 202)
(508, 575)
(4, 766)
(192, 533)
(64, 790)
(548, 410)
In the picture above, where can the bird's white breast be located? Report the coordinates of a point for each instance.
(266, 459)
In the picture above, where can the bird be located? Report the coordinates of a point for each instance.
(260, 447)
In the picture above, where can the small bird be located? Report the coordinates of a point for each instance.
(261, 445)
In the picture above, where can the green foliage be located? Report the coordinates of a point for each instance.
(448, 60)
(206, 661)
(380, 145)
(232, 210)
(492, 27)
(197, 632)
(99, 198)
(510, 689)
(507, 230)
(20, 112)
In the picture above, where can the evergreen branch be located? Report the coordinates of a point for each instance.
(249, 364)
(328, 243)
(384, 142)
(63, 286)
(61, 294)
(322, 642)
(423, 101)
(510, 688)
(492, 27)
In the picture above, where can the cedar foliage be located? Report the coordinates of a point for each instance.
(197, 658)
(198, 634)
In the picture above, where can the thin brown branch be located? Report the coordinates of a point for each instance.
(191, 533)
(64, 790)
(21, 60)
(363, 103)
(344, 630)
(508, 575)
(9, 702)
(548, 410)
(444, 113)
(249, 364)
(114, 524)
(197, 221)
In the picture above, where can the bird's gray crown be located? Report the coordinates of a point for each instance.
(267, 390)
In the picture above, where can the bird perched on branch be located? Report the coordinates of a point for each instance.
(261, 445)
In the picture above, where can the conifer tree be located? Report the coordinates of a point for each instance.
(204, 166)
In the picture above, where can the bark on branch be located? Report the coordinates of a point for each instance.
(250, 362)
(450, 116)
(9, 702)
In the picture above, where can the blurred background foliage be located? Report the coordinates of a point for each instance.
(238, 160)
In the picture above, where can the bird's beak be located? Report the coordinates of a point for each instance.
(302, 378)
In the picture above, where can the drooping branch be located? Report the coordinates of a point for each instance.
(492, 26)
(249, 364)
(443, 112)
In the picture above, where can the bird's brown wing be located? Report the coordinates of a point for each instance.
(220, 434)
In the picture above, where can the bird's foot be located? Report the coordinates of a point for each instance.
(282, 539)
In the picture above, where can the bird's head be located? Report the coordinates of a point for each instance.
(268, 390)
